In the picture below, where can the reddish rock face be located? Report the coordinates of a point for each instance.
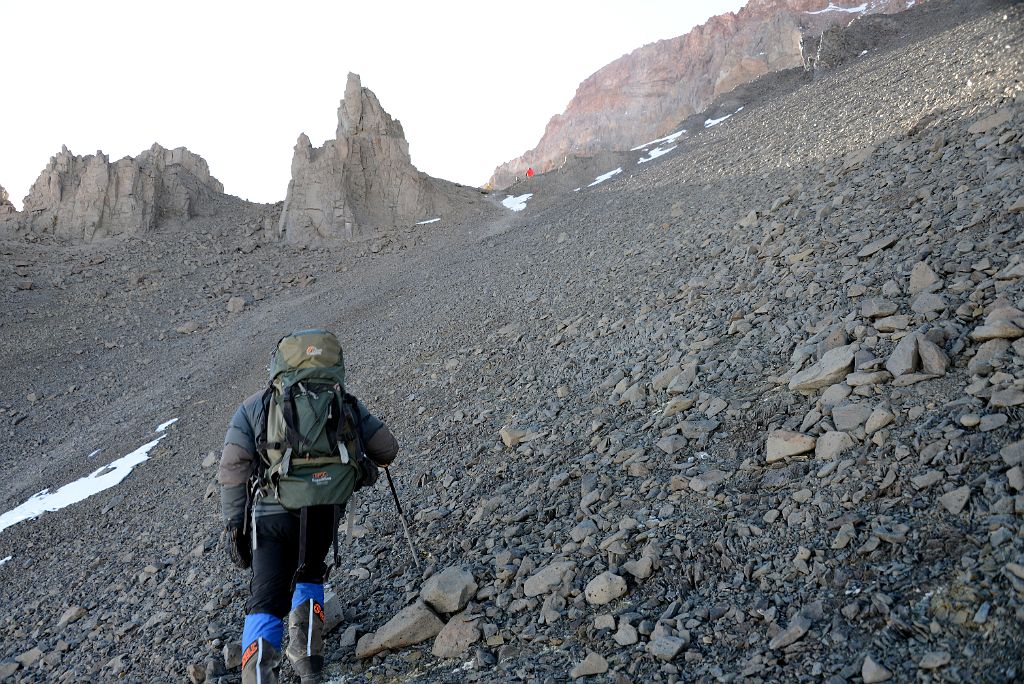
(644, 94)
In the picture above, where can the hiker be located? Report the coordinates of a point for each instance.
(293, 455)
(529, 172)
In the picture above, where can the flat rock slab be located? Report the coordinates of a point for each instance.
(783, 443)
(834, 366)
(456, 637)
(832, 444)
(411, 625)
(954, 501)
(593, 664)
(877, 246)
(796, 630)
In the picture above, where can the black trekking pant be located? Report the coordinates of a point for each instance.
(276, 557)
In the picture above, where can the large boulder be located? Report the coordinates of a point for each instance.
(360, 183)
(82, 199)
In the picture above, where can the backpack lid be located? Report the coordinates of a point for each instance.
(312, 351)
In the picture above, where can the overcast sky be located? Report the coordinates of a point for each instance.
(473, 83)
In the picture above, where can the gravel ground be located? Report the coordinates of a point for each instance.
(757, 403)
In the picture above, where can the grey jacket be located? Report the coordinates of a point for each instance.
(239, 454)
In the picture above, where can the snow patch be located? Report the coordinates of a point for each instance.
(100, 479)
(655, 153)
(517, 203)
(714, 122)
(423, 223)
(605, 176)
(670, 138)
(4, 560)
(835, 8)
(166, 424)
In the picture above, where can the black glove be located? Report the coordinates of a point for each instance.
(238, 546)
(368, 472)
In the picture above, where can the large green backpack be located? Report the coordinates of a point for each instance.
(309, 444)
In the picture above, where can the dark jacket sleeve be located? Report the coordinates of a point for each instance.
(378, 442)
(236, 459)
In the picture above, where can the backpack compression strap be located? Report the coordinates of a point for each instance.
(298, 442)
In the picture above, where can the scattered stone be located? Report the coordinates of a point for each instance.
(955, 500)
(593, 664)
(547, 579)
(922, 279)
(30, 657)
(411, 625)
(878, 245)
(933, 360)
(904, 357)
(449, 590)
(626, 634)
(72, 614)
(831, 445)
(872, 672)
(797, 628)
(512, 437)
(833, 367)
(665, 648)
(784, 443)
(456, 637)
(934, 660)
(236, 305)
(232, 654)
(604, 588)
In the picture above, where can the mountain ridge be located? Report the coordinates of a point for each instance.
(644, 94)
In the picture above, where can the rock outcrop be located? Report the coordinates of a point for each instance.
(645, 94)
(360, 183)
(8, 214)
(82, 199)
(5, 203)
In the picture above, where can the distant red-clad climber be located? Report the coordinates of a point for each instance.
(529, 172)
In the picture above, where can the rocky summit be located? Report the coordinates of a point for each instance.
(748, 409)
(364, 180)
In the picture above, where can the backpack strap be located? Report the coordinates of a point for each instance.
(261, 437)
(303, 528)
(299, 442)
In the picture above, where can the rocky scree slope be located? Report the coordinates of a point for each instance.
(596, 407)
(642, 95)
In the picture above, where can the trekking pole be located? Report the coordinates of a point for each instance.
(401, 515)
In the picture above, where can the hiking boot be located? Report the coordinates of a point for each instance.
(258, 663)
(306, 641)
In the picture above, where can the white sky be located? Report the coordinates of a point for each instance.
(473, 83)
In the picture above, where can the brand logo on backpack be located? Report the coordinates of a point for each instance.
(321, 478)
(313, 351)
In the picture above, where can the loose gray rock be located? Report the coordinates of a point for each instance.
(449, 590)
